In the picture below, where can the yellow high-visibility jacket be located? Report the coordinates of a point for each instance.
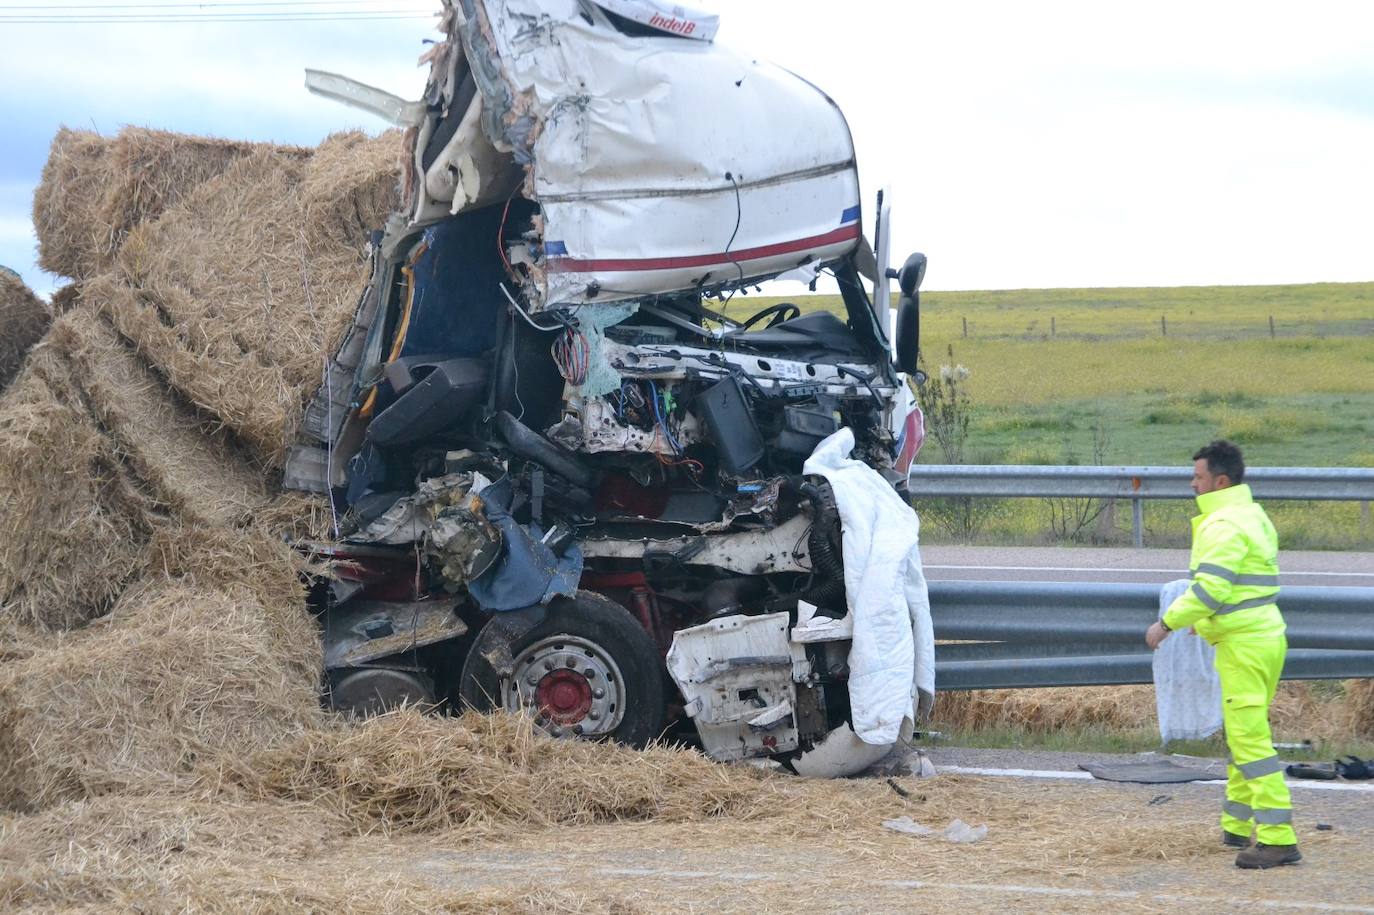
(1235, 565)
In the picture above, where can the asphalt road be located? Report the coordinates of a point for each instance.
(996, 563)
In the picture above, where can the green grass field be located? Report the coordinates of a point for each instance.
(1062, 376)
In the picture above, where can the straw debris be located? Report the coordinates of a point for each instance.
(181, 669)
(408, 772)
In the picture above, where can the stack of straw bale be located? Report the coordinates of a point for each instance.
(24, 318)
(150, 614)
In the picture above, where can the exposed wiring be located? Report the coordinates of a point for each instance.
(515, 363)
(694, 467)
(572, 355)
(501, 233)
(662, 420)
(515, 306)
(739, 216)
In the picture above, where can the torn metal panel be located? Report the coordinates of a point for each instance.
(737, 674)
(636, 197)
(364, 97)
(366, 631)
(780, 549)
(307, 469)
(596, 430)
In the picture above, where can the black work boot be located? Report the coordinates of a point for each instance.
(1233, 840)
(1264, 856)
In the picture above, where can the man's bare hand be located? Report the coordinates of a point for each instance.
(1156, 634)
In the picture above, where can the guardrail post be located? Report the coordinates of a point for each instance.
(1138, 522)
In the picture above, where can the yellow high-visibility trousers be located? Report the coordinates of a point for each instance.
(1256, 795)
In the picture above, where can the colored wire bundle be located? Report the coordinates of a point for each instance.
(572, 354)
(660, 417)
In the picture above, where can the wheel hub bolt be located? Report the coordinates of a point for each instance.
(548, 665)
(589, 673)
(594, 715)
(556, 731)
(533, 680)
(598, 693)
(572, 662)
(577, 729)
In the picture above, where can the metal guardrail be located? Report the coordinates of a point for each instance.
(1342, 484)
(1029, 634)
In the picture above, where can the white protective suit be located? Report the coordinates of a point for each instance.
(892, 661)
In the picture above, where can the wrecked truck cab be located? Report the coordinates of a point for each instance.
(553, 412)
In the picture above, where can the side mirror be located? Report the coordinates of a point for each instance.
(908, 330)
(912, 272)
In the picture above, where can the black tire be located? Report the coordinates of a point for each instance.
(608, 626)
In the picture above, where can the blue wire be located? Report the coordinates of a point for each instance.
(653, 393)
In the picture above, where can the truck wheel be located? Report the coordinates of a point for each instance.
(589, 670)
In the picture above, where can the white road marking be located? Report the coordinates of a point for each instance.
(1079, 774)
(1097, 570)
(1127, 894)
(727, 876)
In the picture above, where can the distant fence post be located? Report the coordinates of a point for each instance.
(1271, 327)
(965, 327)
(1052, 331)
(1163, 327)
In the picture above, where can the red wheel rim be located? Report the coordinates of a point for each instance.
(564, 696)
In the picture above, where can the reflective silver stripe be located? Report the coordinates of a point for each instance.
(1260, 581)
(1273, 817)
(1201, 594)
(1261, 767)
(1236, 809)
(1247, 604)
(1219, 571)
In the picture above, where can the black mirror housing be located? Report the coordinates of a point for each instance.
(908, 332)
(912, 273)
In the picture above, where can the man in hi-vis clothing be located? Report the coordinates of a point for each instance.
(1232, 605)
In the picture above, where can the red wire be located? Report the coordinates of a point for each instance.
(500, 232)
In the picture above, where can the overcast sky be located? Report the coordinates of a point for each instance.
(1026, 144)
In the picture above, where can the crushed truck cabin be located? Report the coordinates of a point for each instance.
(566, 480)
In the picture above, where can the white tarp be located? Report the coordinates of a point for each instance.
(1187, 688)
(892, 661)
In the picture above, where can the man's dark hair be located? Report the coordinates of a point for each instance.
(1223, 457)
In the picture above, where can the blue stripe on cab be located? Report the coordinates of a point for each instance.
(555, 249)
(850, 214)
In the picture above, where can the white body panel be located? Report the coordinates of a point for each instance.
(661, 163)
